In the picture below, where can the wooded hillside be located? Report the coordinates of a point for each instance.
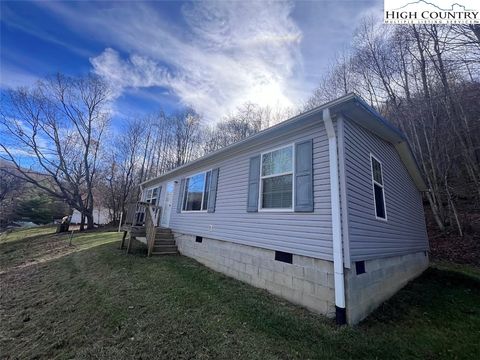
(426, 80)
(423, 78)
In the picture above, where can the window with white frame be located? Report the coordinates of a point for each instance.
(151, 196)
(276, 179)
(197, 188)
(378, 188)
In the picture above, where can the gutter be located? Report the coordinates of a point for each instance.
(399, 134)
(339, 279)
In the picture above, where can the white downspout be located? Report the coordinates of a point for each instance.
(339, 280)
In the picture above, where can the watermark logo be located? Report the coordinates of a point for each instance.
(431, 12)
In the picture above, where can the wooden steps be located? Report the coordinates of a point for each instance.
(164, 243)
(164, 250)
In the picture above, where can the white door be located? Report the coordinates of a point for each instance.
(167, 206)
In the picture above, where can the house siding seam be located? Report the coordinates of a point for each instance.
(308, 234)
(404, 232)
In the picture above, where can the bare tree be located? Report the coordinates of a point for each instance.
(424, 78)
(187, 136)
(56, 128)
(247, 120)
(120, 167)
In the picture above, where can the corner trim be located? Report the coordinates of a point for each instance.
(343, 192)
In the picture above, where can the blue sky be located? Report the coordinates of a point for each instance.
(211, 55)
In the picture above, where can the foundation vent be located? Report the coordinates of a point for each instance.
(283, 257)
(360, 267)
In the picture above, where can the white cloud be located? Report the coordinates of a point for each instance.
(13, 77)
(16, 148)
(216, 55)
(228, 53)
(136, 71)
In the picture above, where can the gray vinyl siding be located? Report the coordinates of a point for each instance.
(404, 231)
(308, 234)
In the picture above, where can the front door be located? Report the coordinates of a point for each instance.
(167, 206)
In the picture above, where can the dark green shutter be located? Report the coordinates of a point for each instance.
(212, 196)
(253, 184)
(304, 176)
(181, 191)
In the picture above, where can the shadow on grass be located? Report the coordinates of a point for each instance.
(103, 303)
(42, 248)
(254, 307)
(437, 295)
(19, 235)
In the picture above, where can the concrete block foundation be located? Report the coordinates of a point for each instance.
(382, 279)
(306, 282)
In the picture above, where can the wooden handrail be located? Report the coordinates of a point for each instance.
(144, 203)
(151, 222)
(131, 214)
(151, 215)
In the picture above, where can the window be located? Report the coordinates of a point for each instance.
(197, 188)
(151, 195)
(277, 179)
(378, 189)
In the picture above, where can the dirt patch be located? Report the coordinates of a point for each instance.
(451, 247)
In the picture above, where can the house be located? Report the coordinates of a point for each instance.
(324, 210)
(101, 216)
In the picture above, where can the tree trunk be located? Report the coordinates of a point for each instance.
(82, 221)
(435, 212)
(90, 221)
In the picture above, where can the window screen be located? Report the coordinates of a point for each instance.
(197, 188)
(277, 179)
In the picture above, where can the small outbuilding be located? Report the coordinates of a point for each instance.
(101, 216)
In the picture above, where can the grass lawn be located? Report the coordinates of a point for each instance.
(90, 300)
